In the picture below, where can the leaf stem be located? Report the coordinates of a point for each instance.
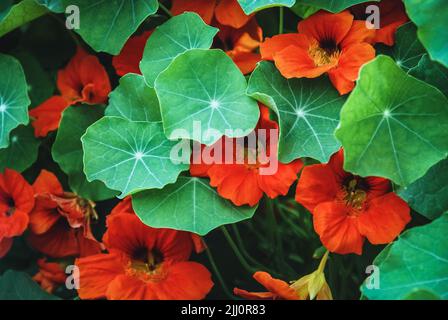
(281, 18)
(165, 9)
(217, 272)
(237, 252)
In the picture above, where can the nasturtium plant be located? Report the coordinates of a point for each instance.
(176, 36)
(186, 149)
(67, 151)
(211, 91)
(132, 99)
(251, 6)
(307, 110)
(189, 204)
(430, 17)
(394, 128)
(14, 100)
(406, 264)
(129, 156)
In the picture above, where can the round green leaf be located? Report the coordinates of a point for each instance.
(307, 109)
(106, 25)
(15, 285)
(429, 194)
(430, 16)
(134, 100)
(204, 89)
(251, 6)
(179, 34)
(393, 125)
(129, 156)
(418, 260)
(20, 14)
(14, 100)
(431, 72)
(67, 151)
(332, 5)
(190, 205)
(22, 151)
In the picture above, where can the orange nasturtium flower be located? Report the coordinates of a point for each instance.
(310, 286)
(16, 201)
(347, 208)
(60, 221)
(242, 183)
(393, 15)
(225, 12)
(142, 263)
(130, 56)
(84, 80)
(241, 44)
(50, 275)
(326, 43)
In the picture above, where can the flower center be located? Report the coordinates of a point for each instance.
(146, 260)
(324, 52)
(355, 193)
(11, 207)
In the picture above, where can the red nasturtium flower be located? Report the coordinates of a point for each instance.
(225, 12)
(50, 275)
(16, 201)
(241, 44)
(60, 221)
(347, 208)
(84, 80)
(393, 15)
(326, 43)
(242, 183)
(143, 263)
(130, 56)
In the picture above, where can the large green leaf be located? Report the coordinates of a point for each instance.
(106, 25)
(177, 35)
(407, 50)
(67, 151)
(418, 260)
(429, 194)
(16, 285)
(205, 89)
(129, 156)
(431, 72)
(22, 152)
(332, 5)
(251, 6)
(307, 109)
(190, 204)
(14, 100)
(20, 14)
(430, 16)
(393, 125)
(134, 100)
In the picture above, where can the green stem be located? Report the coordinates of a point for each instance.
(281, 18)
(217, 272)
(165, 9)
(237, 252)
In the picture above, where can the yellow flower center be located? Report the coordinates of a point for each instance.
(325, 53)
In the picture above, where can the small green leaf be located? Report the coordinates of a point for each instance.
(179, 34)
(393, 125)
(15, 285)
(134, 100)
(22, 152)
(303, 10)
(251, 6)
(430, 16)
(67, 151)
(129, 156)
(332, 5)
(429, 194)
(418, 260)
(14, 100)
(20, 14)
(307, 109)
(205, 89)
(107, 25)
(431, 72)
(190, 205)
